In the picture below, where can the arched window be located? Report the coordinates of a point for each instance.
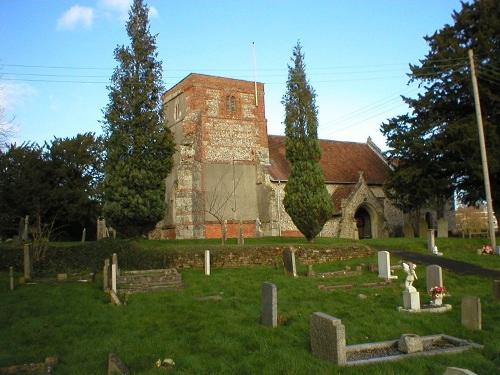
(230, 103)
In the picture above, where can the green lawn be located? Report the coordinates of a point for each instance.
(76, 322)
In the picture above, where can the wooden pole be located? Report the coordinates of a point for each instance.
(482, 145)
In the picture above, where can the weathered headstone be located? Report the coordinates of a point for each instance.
(269, 305)
(496, 290)
(384, 265)
(84, 234)
(442, 228)
(408, 230)
(115, 261)
(28, 261)
(410, 343)
(433, 276)
(207, 262)
(422, 228)
(106, 275)
(328, 338)
(289, 262)
(430, 240)
(471, 312)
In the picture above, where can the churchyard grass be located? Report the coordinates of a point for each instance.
(76, 322)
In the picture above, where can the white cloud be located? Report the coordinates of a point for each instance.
(123, 6)
(120, 6)
(14, 95)
(75, 16)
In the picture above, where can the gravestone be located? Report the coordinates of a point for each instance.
(269, 305)
(430, 240)
(442, 228)
(207, 262)
(289, 262)
(84, 234)
(410, 343)
(28, 261)
(422, 228)
(496, 290)
(433, 276)
(471, 312)
(106, 275)
(408, 231)
(384, 265)
(114, 272)
(411, 300)
(328, 338)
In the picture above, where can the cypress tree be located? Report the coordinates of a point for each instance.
(307, 200)
(139, 145)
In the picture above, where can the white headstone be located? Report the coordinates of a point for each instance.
(207, 262)
(384, 265)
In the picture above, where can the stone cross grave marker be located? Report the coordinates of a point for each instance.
(207, 262)
(328, 338)
(471, 312)
(433, 276)
(289, 262)
(384, 265)
(269, 305)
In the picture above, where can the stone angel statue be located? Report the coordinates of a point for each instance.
(410, 270)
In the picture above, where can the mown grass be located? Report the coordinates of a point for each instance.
(76, 322)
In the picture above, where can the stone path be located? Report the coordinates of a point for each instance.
(455, 266)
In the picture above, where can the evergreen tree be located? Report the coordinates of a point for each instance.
(436, 146)
(307, 200)
(139, 145)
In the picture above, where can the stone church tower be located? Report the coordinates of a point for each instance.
(220, 131)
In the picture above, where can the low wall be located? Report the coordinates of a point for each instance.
(267, 256)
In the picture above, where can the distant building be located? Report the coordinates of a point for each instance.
(227, 168)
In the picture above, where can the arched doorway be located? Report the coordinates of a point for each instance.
(363, 223)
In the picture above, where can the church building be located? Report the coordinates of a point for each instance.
(228, 169)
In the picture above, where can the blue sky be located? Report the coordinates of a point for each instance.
(56, 57)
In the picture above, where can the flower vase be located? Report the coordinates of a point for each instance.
(437, 301)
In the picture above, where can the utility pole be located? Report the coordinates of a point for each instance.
(484, 159)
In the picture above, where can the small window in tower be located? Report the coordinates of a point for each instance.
(230, 103)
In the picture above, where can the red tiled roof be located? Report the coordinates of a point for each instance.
(341, 192)
(341, 161)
